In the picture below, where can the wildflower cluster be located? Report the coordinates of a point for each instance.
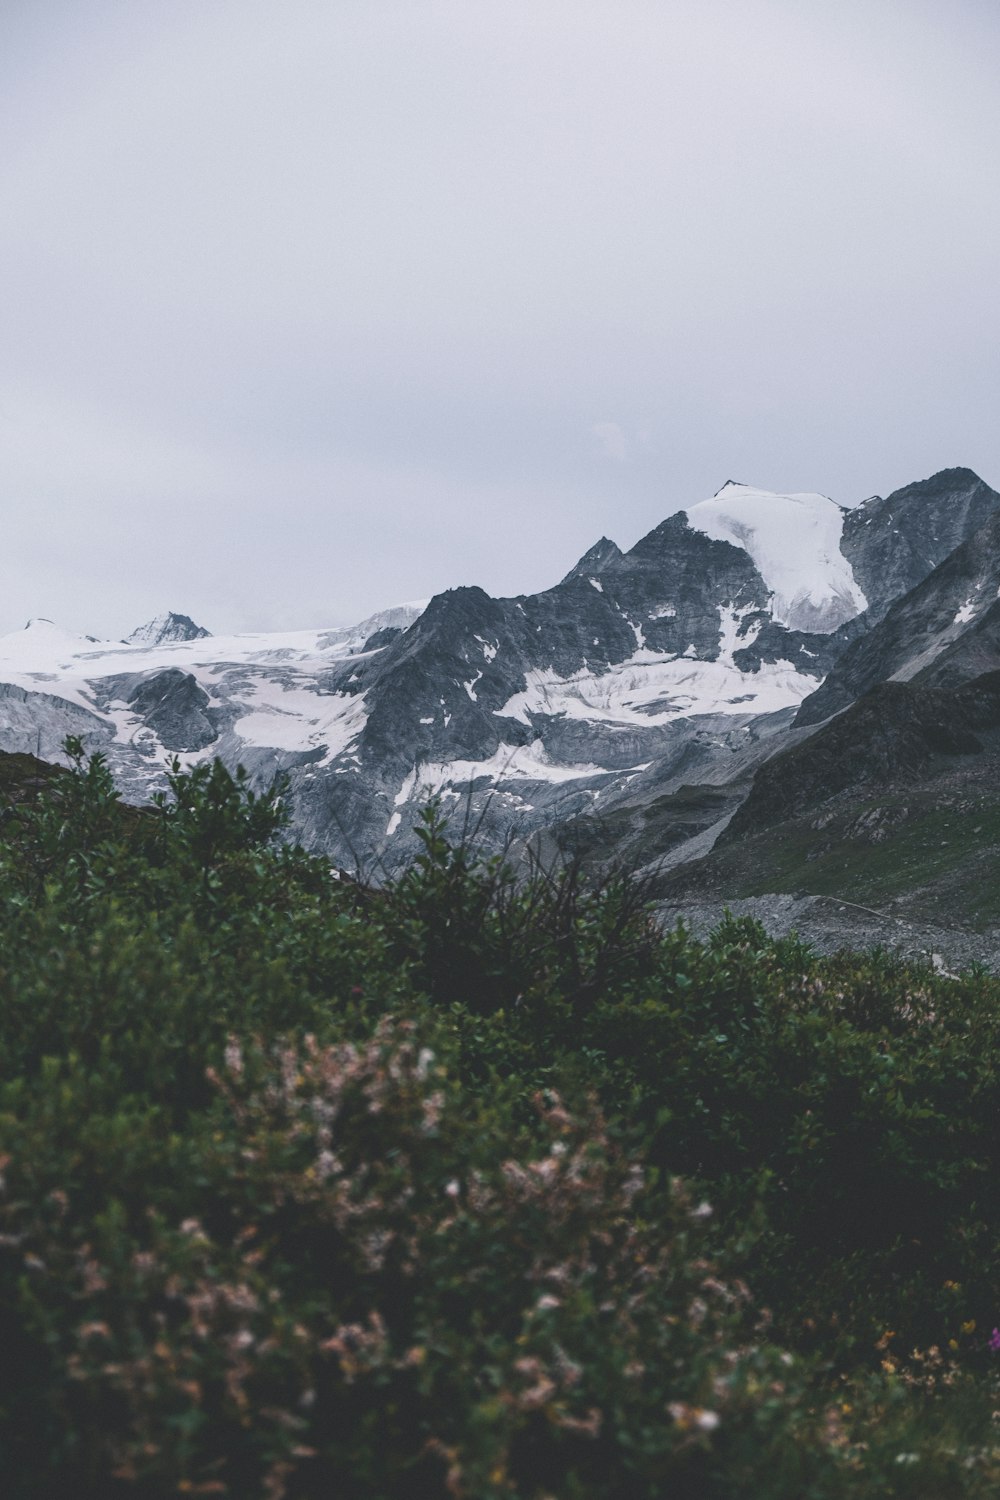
(363, 1264)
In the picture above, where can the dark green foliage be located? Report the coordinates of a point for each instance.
(855, 1102)
(306, 1194)
(477, 935)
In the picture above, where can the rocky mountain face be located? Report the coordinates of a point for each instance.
(887, 791)
(165, 628)
(941, 630)
(528, 710)
(894, 733)
(633, 708)
(893, 544)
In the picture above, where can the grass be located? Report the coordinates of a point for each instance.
(932, 855)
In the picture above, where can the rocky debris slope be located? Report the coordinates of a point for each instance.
(829, 924)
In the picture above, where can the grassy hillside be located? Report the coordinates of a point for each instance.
(928, 853)
(469, 1187)
(894, 804)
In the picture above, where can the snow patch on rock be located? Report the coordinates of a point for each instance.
(651, 689)
(508, 763)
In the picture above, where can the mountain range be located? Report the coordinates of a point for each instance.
(758, 673)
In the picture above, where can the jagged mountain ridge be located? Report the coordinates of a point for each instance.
(892, 544)
(682, 657)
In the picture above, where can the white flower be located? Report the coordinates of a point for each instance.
(424, 1059)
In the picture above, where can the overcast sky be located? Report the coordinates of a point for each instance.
(313, 306)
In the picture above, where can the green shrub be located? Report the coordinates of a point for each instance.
(392, 1194)
(376, 1291)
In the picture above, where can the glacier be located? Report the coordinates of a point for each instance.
(794, 540)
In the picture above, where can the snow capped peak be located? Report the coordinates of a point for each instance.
(396, 617)
(794, 541)
(165, 628)
(595, 559)
(42, 646)
(41, 625)
(41, 632)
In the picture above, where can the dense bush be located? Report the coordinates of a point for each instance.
(372, 1297)
(455, 1188)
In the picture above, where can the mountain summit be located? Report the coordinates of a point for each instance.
(795, 542)
(165, 628)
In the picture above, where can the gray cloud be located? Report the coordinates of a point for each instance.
(309, 308)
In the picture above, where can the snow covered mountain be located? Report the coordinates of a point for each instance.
(247, 698)
(674, 662)
(165, 628)
(795, 542)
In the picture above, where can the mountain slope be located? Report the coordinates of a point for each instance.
(895, 803)
(925, 624)
(527, 710)
(892, 544)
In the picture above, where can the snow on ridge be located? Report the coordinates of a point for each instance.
(42, 641)
(43, 646)
(794, 541)
(647, 690)
(269, 678)
(42, 658)
(396, 617)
